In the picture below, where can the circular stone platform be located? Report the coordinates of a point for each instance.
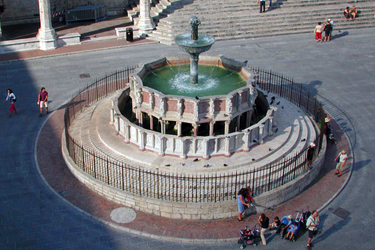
(294, 132)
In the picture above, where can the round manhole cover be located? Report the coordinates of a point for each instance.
(123, 215)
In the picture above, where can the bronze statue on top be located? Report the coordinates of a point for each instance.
(194, 22)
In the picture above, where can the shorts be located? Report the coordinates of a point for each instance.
(41, 104)
(311, 233)
(340, 166)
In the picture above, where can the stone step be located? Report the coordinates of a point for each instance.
(242, 16)
(101, 137)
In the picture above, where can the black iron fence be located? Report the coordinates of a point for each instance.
(183, 187)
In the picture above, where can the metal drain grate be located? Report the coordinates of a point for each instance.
(84, 75)
(342, 213)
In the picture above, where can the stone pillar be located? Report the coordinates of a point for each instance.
(183, 154)
(145, 22)
(238, 123)
(246, 138)
(161, 148)
(151, 122)
(162, 125)
(212, 128)
(205, 149)
(249, 114)
(227, 146)
(195, 126)
(179, 128)
(140, 119)
(46, 34)
(226, 128)
(270, 125)
(142, 140)
(261, 133)
(127, 133)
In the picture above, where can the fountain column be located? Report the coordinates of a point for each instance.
(194, 58)
(46, 34)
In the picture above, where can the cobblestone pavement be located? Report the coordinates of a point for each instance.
(32, 216)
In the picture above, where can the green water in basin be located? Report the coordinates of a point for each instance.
(175, 80)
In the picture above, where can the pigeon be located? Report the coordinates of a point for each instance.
(278, 103)
(225, 165)
(282, 107)
(270, 149)
(168, 165)
(196, 159)
(253, 159)
(196, 97)
(303, 139)
(276, 130)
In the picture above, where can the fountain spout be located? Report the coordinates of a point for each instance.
(194, 22)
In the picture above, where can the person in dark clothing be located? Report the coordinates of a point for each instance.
(310, 154)
(264, 223)
(262, 5)
(327, 30)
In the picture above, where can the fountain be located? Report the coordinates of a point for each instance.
(196, 45)
(189, 142)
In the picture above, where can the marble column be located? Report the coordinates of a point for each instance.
(226, 128)
(46, 34)
(145, 22)
(179, 128)
(212, 128)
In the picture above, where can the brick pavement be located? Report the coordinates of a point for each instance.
(317, 195)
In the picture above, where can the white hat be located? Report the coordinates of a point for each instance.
(289, 217)
(328, 20)
(312, 144)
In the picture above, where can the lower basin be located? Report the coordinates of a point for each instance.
(175, 80)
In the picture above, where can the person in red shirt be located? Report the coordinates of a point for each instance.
(43, 100)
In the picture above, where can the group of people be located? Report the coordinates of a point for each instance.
(327, 27)
(350, 13)
(287, 227)
(42, 101)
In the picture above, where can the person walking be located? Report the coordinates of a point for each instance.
(11, 97)
(264, 223)
(311, 224)
(340, 162)
(241, 196)
(262, 6)
(43, 100)
(318, 32)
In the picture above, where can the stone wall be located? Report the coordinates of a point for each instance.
(196, 211)
(20, 11)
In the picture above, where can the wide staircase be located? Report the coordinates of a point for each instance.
(238, 19)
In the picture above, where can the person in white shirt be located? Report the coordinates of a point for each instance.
(340, 162)
(311, 224)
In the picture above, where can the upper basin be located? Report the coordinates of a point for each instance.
(203, 43)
